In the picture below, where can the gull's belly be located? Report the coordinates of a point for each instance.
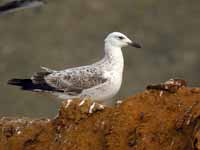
(105, 91)
(101, 92)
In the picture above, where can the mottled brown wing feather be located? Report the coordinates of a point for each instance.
(74, 82)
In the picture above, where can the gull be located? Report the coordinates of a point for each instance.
(98, 81)
(16, 5)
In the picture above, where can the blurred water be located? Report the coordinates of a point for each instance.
(70, 33)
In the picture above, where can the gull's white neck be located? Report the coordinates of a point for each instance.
(114, 56)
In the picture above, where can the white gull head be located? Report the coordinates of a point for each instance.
(117, 39)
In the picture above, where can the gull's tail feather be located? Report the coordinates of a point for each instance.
(19, 4)
(25, 84)
(29, 85)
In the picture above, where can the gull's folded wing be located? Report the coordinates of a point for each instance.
(74, 81)
(71, 82)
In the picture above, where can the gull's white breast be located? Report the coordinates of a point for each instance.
(113, 72)
(106, 90)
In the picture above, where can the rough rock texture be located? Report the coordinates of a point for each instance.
(152, 120)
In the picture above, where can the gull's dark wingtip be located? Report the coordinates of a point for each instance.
(13, 81)
(27, 84)
(19, 82)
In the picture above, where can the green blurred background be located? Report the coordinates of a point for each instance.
(68, 33)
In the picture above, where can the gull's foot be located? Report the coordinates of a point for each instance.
(79, 109)
(95, 107)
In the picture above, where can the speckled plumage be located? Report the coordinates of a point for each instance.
(99, 81)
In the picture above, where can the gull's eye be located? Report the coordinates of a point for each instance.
(121, 37)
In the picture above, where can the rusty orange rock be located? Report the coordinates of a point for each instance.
(147, 120)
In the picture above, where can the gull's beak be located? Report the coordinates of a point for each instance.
(135, 44)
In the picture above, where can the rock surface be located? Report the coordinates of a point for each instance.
(152, 120)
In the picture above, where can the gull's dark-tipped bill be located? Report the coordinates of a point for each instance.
(135, 44)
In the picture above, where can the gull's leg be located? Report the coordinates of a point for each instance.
(86, 105)
(93, 108)
(68, 103)
(82, 101)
